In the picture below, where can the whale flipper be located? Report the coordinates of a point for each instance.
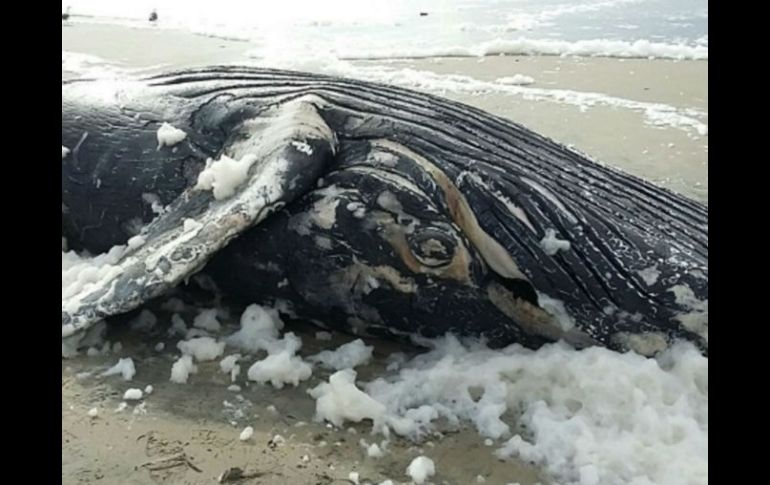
(281, 156)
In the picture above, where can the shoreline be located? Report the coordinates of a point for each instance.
(645, 117)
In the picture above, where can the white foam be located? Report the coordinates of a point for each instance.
(259, 329)
(132, 395)
(64, 152)
(140, 409)
(373, 450)
(82, 272)
(124, 367)
(156, 206)
(136, 241)
(225, 175)
(87, 65)
(650, 275)
(202, 348)
(207, 320)
(528, 21)
(552, 245)
(279, 369)
(340, 400)
(420, 469)
(516, 79)
(641, 48)
(346, 356)
(228, 363)
(246, 434)
(235, 372)
(169, 135)
(182, 369)
(591, 407)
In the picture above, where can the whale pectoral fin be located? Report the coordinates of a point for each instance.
(286, 153)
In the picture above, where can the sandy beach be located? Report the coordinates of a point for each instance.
(201, 421)
(190, 433)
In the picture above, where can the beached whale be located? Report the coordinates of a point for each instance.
(372, 209)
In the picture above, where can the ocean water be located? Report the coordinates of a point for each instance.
(382, 29)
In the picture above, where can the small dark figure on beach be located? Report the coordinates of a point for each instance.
(153, 16)
(423, 14)
(66, 14)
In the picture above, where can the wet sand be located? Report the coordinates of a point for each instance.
(672, 157)
(189, 433)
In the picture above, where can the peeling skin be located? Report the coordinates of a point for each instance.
(493, 252)
(357, 278)
(403, 183)
(551, 197)
(388, 201)
(379, 158)
(531, 318)
(324, 213)
(650, 275)
(534, 319)
(298, 119)
(517, 211)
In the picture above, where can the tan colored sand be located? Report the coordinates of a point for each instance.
(143, 47)
(189, 435)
